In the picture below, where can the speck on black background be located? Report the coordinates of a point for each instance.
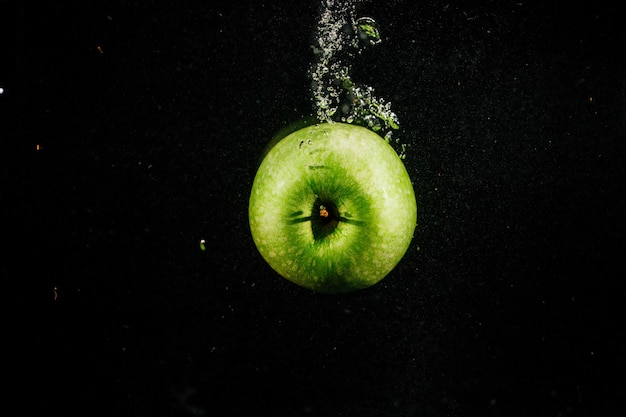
(132, 130)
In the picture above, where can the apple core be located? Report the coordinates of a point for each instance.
(332, 208)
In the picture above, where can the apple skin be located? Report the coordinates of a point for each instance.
(332, 208)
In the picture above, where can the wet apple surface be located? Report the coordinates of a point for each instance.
(332, 208)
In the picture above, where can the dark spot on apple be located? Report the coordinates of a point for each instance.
(316, 166)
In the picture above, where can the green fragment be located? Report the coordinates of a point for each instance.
(367, 29)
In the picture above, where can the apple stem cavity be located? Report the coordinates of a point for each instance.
(324, 218)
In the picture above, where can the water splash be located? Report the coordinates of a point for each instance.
(341, 36)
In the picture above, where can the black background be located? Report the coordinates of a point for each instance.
(132, 130)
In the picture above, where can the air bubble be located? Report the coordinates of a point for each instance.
(337, 97)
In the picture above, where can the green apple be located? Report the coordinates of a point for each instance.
(332, 208)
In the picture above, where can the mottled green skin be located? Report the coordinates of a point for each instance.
(363, 176)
